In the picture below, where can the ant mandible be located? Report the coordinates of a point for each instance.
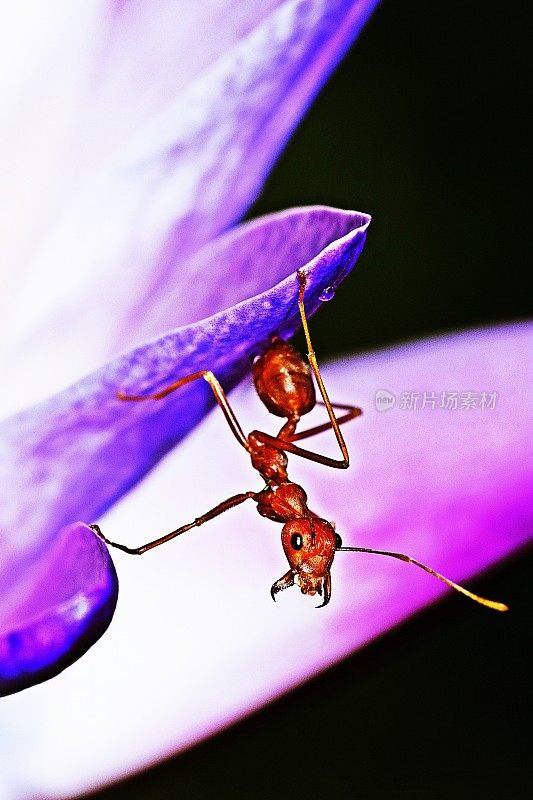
(283, 381)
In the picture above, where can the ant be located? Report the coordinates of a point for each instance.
(283, 381)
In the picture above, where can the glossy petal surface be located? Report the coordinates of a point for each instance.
(449, 487)
(163, 181)
(57, 610)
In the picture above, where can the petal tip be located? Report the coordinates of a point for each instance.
(61, 607)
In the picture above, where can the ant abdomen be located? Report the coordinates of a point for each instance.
(283, 381)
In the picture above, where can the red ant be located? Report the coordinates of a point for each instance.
(283, 381)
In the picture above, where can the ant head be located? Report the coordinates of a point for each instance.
(309, 544)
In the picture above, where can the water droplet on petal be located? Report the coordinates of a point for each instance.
(328, 294)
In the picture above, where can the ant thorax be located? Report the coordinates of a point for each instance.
(283, 503)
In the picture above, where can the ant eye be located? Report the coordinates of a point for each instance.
(338, 541)
(297, 541)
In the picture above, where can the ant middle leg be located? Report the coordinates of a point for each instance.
(217, 390)
(288, 447)
(353, 413)
(286, 444)
(288, 431)
(231, 502)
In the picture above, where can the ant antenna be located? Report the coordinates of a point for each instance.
(402, 557)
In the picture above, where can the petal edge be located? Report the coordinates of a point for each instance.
(72, 599)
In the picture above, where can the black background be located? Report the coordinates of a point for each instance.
(424, 125)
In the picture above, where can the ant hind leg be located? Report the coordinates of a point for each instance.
(217, 390)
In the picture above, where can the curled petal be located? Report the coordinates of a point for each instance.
(77, 453)
(172, 184)
(202, 640)
(57, 609)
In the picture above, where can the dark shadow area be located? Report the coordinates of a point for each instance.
(424, 126)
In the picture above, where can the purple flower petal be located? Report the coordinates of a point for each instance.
(148, 167)
(175, 182)
(61, 606)
(197, 642)
(77, 453)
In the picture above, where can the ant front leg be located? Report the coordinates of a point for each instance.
(344, 463)
(231, 502)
